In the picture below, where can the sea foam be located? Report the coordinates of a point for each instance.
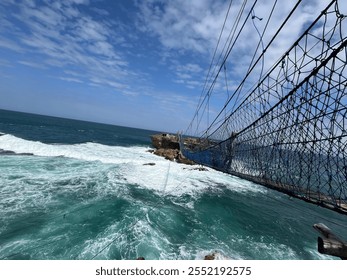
(164, 176)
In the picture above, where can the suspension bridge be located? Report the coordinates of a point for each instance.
(282, 126)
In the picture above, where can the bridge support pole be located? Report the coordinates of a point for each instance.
(329, 243)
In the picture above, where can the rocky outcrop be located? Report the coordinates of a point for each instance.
(216, 256)
(165, 141)
(210, 256)
(170, 154)
(11, 153)
(167, 146)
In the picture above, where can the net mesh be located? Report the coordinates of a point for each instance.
(289, 132)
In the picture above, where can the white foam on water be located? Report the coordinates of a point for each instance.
(100, 246)
(265, 247)
(27, 186)
(167, 177)
(111, 170)
(86, 151)
(150, 241)
(14, 247)
(275, 251)
(21, 197)
(131, 241)
(171, 178)
(318, 256)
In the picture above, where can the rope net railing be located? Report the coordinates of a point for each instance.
(290, 131)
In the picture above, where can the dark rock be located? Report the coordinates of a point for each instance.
(150, 163)
(182, 159)
(216, 256)
(11, 153)
(5, 152)
(201, 168)
(165, 141)
(168, 146)
(210, 256)
(170, 154)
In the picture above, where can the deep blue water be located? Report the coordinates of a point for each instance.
(87, 193)
(52, 130)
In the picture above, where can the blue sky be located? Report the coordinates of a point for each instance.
(133, 63)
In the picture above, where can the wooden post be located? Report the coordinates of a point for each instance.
(329, 243)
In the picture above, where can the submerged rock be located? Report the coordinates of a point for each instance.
(200, 168)
(5, 152)
(11, 153)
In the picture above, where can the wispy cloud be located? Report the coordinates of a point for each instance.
(67, 37)
(194, 27)
(184, 25)
(191, 75)
(138, 49)
(11, 45)
(69, 79)
(5, 63)
(32, 64)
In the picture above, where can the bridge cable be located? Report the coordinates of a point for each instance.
(252, 68)
(230, 47)
(215, 51)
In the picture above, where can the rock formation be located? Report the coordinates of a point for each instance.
(210, 256)
(168, 146)
(11, 153)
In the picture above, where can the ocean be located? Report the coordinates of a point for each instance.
(77, 190)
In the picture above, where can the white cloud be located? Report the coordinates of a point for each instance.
(190, 67)
(193, 27)
(87, 45)
(9, 44)
(87, 29)
(85, 2)
(66, 37)
(69, 79)
(32, 64)
(191, 75)
(185, 25)
(101, 12)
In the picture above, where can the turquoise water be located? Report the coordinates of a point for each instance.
(85, 193)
